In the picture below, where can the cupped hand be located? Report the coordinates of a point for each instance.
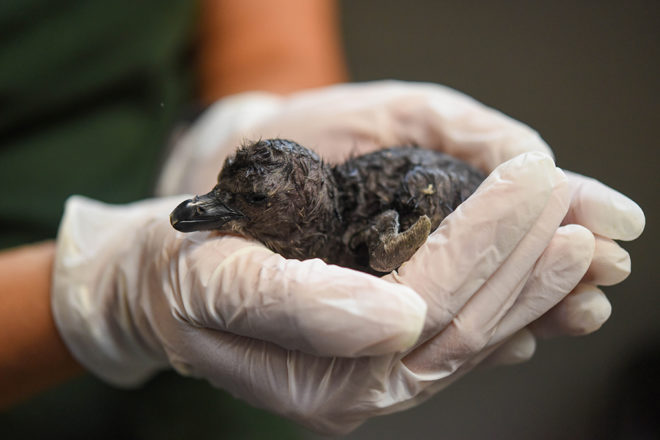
(482, 277)
(352, 119)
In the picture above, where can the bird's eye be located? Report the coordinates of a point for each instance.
(256, 198)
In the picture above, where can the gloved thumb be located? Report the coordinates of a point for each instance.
(300, 305)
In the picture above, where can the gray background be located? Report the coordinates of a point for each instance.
(585, 75)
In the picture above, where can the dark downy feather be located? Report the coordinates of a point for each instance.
(301, 207)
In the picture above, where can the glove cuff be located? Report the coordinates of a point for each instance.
(90, 297)
(199, 145)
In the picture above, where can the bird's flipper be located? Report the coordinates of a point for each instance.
(389, 248)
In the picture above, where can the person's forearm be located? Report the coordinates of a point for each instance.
(32, 354)
(280, 46)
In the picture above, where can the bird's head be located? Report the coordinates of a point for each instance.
(267, 189)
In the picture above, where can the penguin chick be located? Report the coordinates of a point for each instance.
(370, 213)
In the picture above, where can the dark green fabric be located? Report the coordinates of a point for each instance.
(89, 91)
(168, 407)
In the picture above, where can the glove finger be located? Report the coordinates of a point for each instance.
(387, 113)
(438, 117)
(302, 305)
(474, 326)
(558, 270)
(317, 392)
(517, 349)
(515, 211)
(603, 210)
(424, 386)
(610, 264)
(356, 118)
(555, 274)
(582, 312)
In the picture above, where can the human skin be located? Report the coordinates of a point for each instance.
(257, 45)
(32, 354)
(232, 48)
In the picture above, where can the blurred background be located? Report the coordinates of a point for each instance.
(584, 74)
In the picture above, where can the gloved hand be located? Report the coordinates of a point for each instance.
(130, 295)
(323, 345)
(357, 118)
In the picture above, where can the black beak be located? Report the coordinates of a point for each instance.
(202, 213)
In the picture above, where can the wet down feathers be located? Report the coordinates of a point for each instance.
(370, 213)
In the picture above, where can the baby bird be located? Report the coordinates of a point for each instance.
(370, 213)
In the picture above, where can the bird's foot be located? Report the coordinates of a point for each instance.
(389, 248)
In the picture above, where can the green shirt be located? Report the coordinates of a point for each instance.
(89, 92)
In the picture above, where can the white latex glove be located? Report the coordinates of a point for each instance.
(130, 294)
(356, 118)
(326, 346)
